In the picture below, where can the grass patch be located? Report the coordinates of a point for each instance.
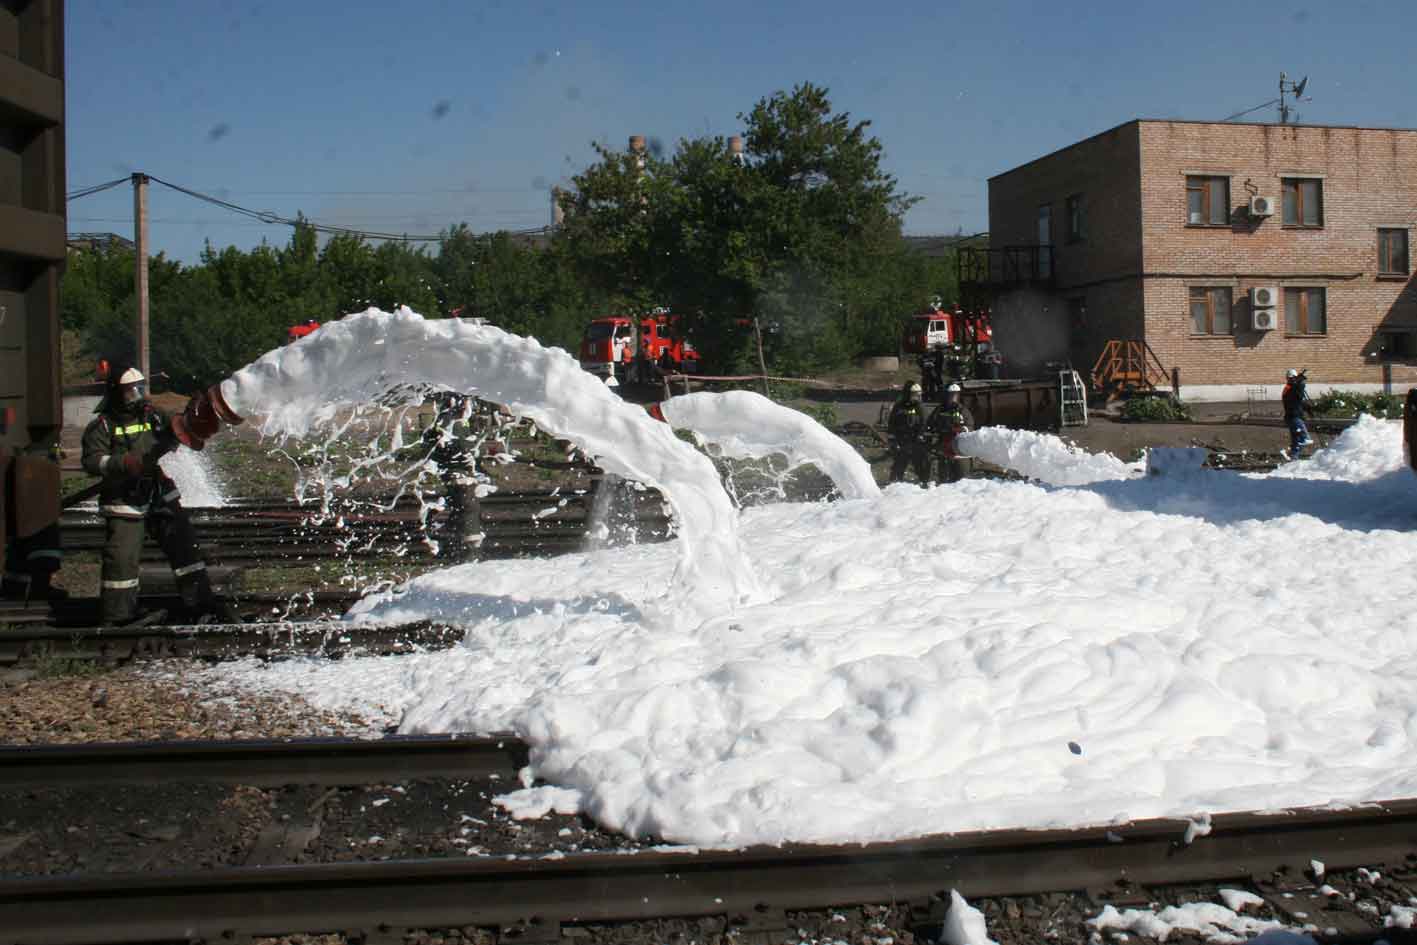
(56, 667)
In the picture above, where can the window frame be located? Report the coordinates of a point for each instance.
(1208, 294)
(1202, 184)
(1072, 212)
(1297, 184)
(1383, 256)
(1303, 331)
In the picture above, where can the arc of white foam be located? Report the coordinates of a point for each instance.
(746, 425)
(359, 357)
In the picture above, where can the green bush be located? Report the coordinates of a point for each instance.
(1156, 409)
(1347, 403)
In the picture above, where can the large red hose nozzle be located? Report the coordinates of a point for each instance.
(223, 409)
(202, 417)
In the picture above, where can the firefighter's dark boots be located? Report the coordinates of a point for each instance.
(201, 602)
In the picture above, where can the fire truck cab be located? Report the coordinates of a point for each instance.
(938, 328)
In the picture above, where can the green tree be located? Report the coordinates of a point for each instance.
(803, 234)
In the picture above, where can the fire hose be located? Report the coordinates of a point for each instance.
(203, 417)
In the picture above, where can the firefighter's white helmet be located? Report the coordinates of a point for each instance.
(1291, 374)
(914, 388)
(953, 389)
(131, 376)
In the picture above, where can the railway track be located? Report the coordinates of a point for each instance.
(29, 643)
(535, 897)
(266, 762)
(512, 525)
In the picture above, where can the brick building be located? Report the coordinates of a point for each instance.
(1152, 231)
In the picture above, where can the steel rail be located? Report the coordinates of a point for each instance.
(380, 898)
(25, 642)
(266, 762)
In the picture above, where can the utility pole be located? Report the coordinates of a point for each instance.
(140, 271)
(638, 370)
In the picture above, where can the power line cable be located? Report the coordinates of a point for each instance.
(95, 189)
(1273, 101)
(267, 216)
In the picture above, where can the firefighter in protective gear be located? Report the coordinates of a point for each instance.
(906, 427)
(122, 446)
(1296, 405)
(949, 420)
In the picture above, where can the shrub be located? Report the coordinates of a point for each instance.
(1157, 408)
(1347, 403)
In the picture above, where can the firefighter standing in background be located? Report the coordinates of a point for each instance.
(949, 420)
(907, 431)
(1296, 404)
(122, 446)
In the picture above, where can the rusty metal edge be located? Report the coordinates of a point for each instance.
(264, 762)
(611, 887)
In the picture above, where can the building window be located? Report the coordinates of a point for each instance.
(1074, 210)
(1210, 310)
(1207, 201)
(1392, 252)
(1305, 311)
(1303, 201)
(1397, 346)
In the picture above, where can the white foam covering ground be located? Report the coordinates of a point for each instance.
(980, 655)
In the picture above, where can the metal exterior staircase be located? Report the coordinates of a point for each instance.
(1072, 400)
(1127, 365)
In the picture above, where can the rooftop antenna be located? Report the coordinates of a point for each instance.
(1288, 86)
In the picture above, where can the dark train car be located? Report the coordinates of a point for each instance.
(32, 231)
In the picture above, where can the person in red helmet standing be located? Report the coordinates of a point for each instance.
(122, 446)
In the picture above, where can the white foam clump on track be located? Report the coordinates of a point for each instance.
(964, 924)
(1208, 920)
(924, 661)
(748, 425)
(361, 356)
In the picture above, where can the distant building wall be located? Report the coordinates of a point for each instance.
(1128, 268)
(1092, 190)
(1367, 179)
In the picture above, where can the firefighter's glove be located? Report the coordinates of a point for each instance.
(132, 465)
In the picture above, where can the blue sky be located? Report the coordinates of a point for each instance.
(411, 118)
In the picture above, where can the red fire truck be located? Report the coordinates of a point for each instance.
(939, 327)
(951, 345)
(607, 348)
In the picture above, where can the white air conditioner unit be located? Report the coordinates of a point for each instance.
(1261, 206)
(1264, 296)
(1264, 319)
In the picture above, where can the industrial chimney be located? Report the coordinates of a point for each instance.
(735, 148)
(558, 215)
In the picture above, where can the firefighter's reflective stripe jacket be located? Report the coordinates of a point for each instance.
(108, 439)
